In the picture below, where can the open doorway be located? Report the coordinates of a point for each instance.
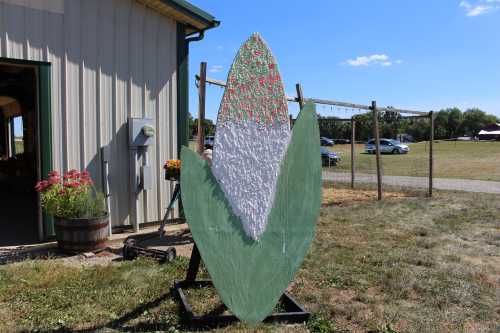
(19, 154)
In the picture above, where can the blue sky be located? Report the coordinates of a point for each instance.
(422, 55)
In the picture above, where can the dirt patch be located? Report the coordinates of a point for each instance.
(102, 258)
(346, 197)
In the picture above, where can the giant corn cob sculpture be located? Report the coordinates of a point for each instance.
(253, 214)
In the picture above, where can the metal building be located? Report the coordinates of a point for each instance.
(73, 73)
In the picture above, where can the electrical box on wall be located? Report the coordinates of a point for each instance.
(141, 132)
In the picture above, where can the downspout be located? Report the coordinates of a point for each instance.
(183, 88)
(201, 35)
(183, 83)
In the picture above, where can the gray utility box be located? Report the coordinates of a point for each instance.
(141, 132)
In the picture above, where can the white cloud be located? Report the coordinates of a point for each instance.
(480, 8)
(215, 69)
(374, 59)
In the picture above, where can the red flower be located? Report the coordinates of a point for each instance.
(42, 186)
(54, 180)
(85, 177)
(73, 174)
(271, 66)
(53, 174)
(72, 184)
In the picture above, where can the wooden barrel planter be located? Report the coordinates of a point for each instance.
(82, 234)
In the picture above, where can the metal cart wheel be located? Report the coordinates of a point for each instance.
(129, 252)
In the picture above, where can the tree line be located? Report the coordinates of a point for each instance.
(193, 126)
(448, 124)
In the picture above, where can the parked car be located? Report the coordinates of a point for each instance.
(209, 142)
(329, 158)
(341, 141)
(387, 146)
(326, 141)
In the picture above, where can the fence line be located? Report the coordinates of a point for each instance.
(373, 108)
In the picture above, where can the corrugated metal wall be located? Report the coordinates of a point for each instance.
(110, 60)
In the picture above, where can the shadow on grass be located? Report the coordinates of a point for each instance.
(120, 324)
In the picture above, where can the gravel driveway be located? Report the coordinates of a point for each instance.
(466, 185)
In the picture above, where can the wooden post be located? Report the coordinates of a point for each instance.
(194, 264)
(201, 107)
(353, 142)
(290, 117)
(376, 137)
(300, 97)
(431, 154)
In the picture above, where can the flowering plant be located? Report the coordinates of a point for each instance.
(73, 196)
(172, 169)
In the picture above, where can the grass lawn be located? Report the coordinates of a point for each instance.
(467, 160)
(401, 265)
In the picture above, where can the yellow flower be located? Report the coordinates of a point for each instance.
(173, 165)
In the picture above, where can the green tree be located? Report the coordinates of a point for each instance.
(441, 124)
(207, 123)
(474, 120)
(447, 123)
(455, 119)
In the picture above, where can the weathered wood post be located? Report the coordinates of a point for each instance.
(201, 107)
(431, 154)
(353, 143)
(194, 262)
(376, 137)
(300, 97)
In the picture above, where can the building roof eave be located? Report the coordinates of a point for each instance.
(194, 18)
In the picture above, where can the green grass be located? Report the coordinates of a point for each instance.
(418, 265)
(465, 160)
(402, 265)
(19, 147)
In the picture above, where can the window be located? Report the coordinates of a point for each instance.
(12, 138)
(18, 141)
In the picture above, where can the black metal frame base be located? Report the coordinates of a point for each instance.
(293, 312)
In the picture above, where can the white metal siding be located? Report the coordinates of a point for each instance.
(110, 60)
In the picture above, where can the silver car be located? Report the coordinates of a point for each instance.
(387, 146)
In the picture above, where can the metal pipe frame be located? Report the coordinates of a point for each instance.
(221, 83)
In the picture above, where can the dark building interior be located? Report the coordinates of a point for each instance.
(18, 155)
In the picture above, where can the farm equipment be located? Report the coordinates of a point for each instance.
(133, 246)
